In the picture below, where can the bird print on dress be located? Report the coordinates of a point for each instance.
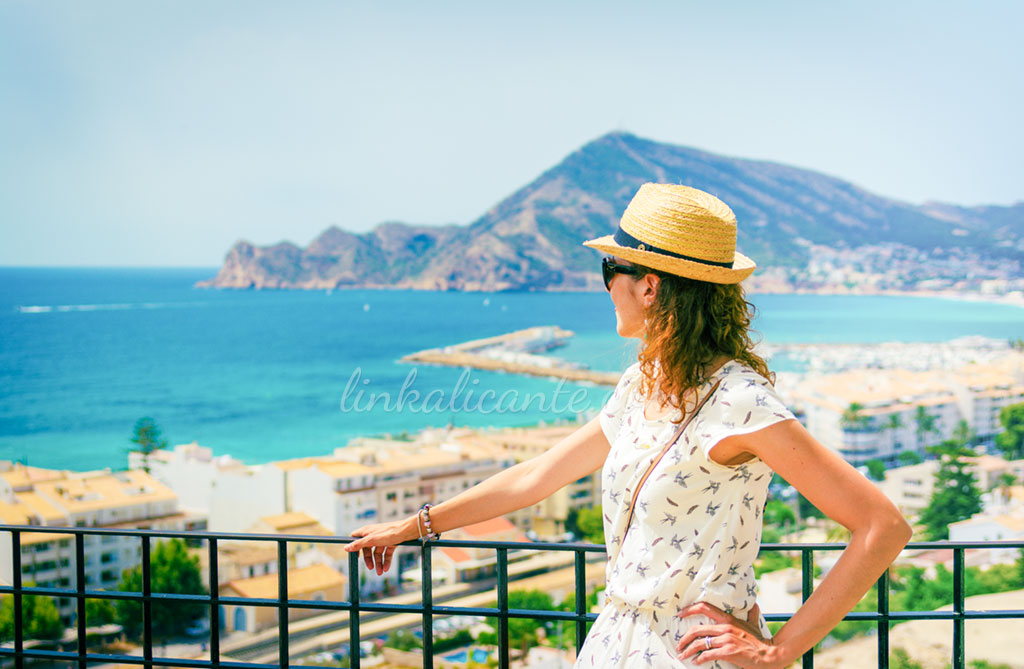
(696, 531)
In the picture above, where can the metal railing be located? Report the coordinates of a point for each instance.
(882, 618)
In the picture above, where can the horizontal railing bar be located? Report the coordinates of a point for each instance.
(902, 616)
(375, 607)
(512, 545)
(136, 659)
(304, 538)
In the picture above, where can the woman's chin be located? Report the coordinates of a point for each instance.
(624, 331)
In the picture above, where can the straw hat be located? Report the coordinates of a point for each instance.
(679, 230)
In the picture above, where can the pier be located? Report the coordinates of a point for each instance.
(516, 353)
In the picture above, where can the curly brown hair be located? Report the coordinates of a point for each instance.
(689, 325)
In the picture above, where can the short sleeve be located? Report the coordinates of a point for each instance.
(613, 410)
(745, 402)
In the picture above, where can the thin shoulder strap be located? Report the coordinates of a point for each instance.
(671, 441)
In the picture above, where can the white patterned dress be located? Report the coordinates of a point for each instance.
(697, 525)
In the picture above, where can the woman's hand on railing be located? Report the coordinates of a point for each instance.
(378, 540)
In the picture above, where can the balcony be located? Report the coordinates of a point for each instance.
(357, 611)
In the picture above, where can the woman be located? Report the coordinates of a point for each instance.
(682, 510)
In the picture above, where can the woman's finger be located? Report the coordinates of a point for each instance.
(702, 644)
(698, 632)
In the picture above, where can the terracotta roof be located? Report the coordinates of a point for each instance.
(455, 554)
(248, 553)
(303, 581)
(285, 521)
(32, 538)
(19, 475)
(499, 525)
(90, 493)
(297, 463)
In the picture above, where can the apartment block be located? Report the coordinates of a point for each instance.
(891, 401)
(546, 519)
(58, 498)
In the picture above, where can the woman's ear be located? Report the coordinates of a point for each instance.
(650, 288)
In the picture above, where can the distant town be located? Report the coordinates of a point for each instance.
(893, 268)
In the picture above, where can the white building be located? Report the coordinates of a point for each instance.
(231, 494)
(910, 488)
(992, 527)
(547, 518)
(56, 498)
(891, 400)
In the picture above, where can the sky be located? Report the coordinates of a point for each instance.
(159, 133)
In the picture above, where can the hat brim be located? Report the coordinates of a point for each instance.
(742, 266)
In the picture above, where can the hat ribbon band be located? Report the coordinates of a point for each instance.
(623, 238)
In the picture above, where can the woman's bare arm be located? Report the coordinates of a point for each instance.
(877, 534)
(572, 458)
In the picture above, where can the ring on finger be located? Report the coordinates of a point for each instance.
(707, 643)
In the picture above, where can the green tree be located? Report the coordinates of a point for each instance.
(925, 424)
(172, 571)
(590, 524)
(955, 495)
(403, 640)
(39, 615)
(779, 514)
(909, 458)
(876, 469)
(894, 423)
(852, 419)
(100, 612)
(962, 433)
(1011, 440)
(147, 438)
(522, 632)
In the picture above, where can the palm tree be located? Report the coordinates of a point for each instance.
(963, 433)
(925, 425)
(852, 418)
(147, 438)
(894, 423)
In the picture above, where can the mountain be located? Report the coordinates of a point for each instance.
(531, 239)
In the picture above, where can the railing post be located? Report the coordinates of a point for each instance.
(503, 649)
(282, 603)
(353, 612)
(581, 599)
(807, 578)
(19, 660)
(80, 621)
(214, 604)
(426, 588)
(958, 609)
(883, 620)
(147, 604)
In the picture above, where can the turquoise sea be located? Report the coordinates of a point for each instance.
(262, 375)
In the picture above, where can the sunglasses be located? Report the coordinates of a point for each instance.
(609, 268)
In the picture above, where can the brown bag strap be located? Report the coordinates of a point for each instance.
(654, 463)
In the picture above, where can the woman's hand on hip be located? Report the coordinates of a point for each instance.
(728, 639)
(377, 542)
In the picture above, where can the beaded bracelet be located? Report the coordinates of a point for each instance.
(425, 515)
